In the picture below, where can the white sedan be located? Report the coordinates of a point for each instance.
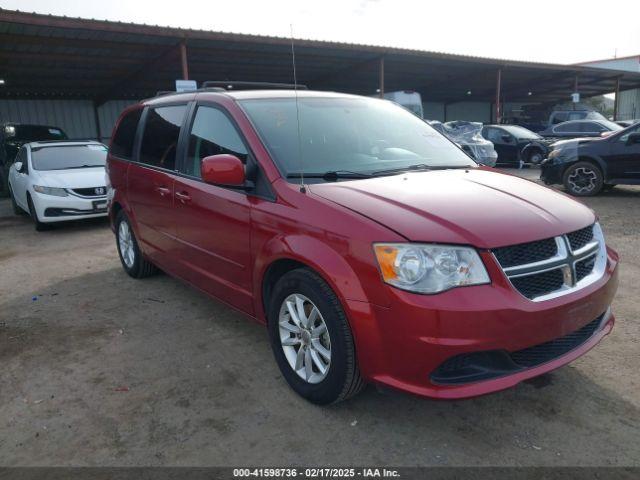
(59, 181)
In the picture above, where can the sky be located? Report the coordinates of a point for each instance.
(554, 31)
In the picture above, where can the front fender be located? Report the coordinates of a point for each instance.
(317, 255)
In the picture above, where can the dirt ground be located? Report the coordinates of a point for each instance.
(99, 369)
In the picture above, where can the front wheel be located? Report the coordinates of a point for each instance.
(130, 255)
(14, 205)
(311, 339)
(40, 226)
(535, 157)
(583, 179)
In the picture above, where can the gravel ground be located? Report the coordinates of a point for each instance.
(100, 369)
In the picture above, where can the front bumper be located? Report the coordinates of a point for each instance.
(552, 171)
(403, 345)
(51, 208)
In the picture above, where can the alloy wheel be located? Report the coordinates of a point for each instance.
(582, 180)
(304, 338)
(125, 241)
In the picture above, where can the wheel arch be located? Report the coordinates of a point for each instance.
(286, 253)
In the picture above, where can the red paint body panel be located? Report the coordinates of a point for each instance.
(223, 242)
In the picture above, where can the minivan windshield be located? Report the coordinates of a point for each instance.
(358, 136)
(68, 156)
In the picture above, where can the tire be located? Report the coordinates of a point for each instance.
(40, 226)
(129, 252)
(583, 179)
(535, 156)
(341, 379)
(16, 208)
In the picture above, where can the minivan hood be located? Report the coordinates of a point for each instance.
(575, 141)
(478, 206)
(73, 178)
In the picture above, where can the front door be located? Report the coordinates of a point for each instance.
(213, 222)
(150, 182)
(624, 159)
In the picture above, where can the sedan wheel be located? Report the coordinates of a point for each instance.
(304, 338)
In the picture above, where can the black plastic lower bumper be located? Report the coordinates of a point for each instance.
(477, 366)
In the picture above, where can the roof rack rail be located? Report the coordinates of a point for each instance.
(233, 85)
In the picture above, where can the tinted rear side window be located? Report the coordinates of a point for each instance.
(160, 139)
(122, 143)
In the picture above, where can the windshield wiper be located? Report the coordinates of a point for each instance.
(410, 168)
(331, 175)
(417, 167)
(79, 166)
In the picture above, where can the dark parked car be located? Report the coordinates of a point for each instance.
(627, 123)
(516, 145)
(581, 128)
(13, 136)
(587, 165)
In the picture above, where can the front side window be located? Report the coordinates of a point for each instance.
(65, 157)
(360, 135)
(122, 142)
(212, 133)
(160, 138)
(495, 135)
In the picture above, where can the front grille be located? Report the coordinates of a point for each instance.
(545, 352)
(485, 365)
(580, 238)
(585, 267)
(532, 286)
(91, 191)
(526, 253)
(557, 267)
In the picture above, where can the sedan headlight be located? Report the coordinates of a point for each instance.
(425, 268)
(58, 192)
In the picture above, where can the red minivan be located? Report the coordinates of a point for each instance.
(372, 248)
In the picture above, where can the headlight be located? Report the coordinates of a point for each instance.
(553, 154)
(429, 268)
(58, 192)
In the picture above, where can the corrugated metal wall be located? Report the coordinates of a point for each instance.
(108, 113)
(76, 117)
(629, 105)
(470, 111)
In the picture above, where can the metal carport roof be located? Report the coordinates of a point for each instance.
(45, 56)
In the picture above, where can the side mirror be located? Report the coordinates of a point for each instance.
(18, 166)
(633, 138)
(223, 169)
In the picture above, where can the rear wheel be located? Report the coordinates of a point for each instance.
(40, 226)
(130, 255)
(311, 339)
(583, 179)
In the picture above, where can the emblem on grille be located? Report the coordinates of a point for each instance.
(100, 190)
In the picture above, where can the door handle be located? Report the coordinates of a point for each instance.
(184, 197)
(162, 190)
